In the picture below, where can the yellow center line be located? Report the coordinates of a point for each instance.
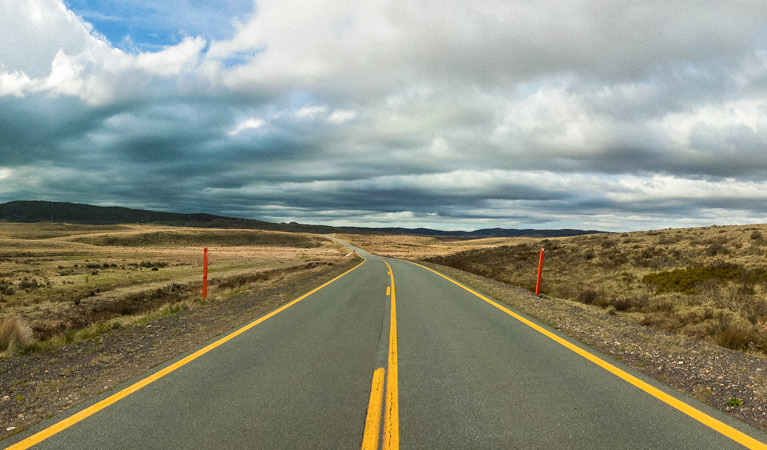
(373, 419)
(700, 416)
(391, 419)
(68, 422)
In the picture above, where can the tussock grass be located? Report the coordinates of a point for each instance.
(15, 335)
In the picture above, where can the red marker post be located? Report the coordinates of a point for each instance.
(205, 273)
(540, 269)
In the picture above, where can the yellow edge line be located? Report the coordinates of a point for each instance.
(68, 422)
(391, 420)
(730, 432)
(373, 419)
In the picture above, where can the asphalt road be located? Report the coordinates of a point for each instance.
(458, 373)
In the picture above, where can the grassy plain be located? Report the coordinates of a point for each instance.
(420, 247)
(57, 280)
(708, 283)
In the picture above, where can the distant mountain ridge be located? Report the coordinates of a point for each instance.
(80, 213)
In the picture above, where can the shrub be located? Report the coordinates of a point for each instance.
(29, 284)
(685, 280)
(587, 296)
(6, 287)
(627, 277)
(736, 338)
(716, 247)
(608, 243)
(150, 264)
(755, 309)
(622, 303)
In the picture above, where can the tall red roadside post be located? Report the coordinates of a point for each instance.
(205, 273)
(540, 269)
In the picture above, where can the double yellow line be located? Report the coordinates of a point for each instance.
(391, 411)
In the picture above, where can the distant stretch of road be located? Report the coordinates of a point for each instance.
(392, 355)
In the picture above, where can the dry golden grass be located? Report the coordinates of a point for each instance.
(709, 283)
(420, 247)
(59, 277)
(14, 334)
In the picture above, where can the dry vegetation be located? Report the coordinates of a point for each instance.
(420, 247)
(707, 283)
(61, 283)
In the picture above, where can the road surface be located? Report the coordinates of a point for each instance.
(391, 355)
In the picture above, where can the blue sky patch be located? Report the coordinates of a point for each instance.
(143, 25)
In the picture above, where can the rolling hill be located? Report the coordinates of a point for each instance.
(43, 211)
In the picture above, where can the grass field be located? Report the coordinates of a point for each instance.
(708, 283)
(59, 278)
(419, 247)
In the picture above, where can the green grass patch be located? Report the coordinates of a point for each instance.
(98, 329)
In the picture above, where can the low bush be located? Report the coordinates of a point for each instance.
(29, 284)
(6, 287)
(587, 296)
(739, 338)
(622, 303)
(150, 264)
(685, 280)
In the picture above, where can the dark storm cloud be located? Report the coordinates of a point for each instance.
(444, 114)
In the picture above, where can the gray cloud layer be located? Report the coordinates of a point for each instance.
(442, 114)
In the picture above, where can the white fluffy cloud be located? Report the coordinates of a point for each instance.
(47, 48)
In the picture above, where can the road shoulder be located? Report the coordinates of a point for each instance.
(706, 372)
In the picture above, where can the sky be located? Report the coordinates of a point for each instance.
(592, 114)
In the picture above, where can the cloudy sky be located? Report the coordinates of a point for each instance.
(452, 114)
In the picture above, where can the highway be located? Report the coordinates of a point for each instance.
(391, 355)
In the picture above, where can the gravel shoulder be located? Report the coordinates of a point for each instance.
(704, 371)
(39, 385)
